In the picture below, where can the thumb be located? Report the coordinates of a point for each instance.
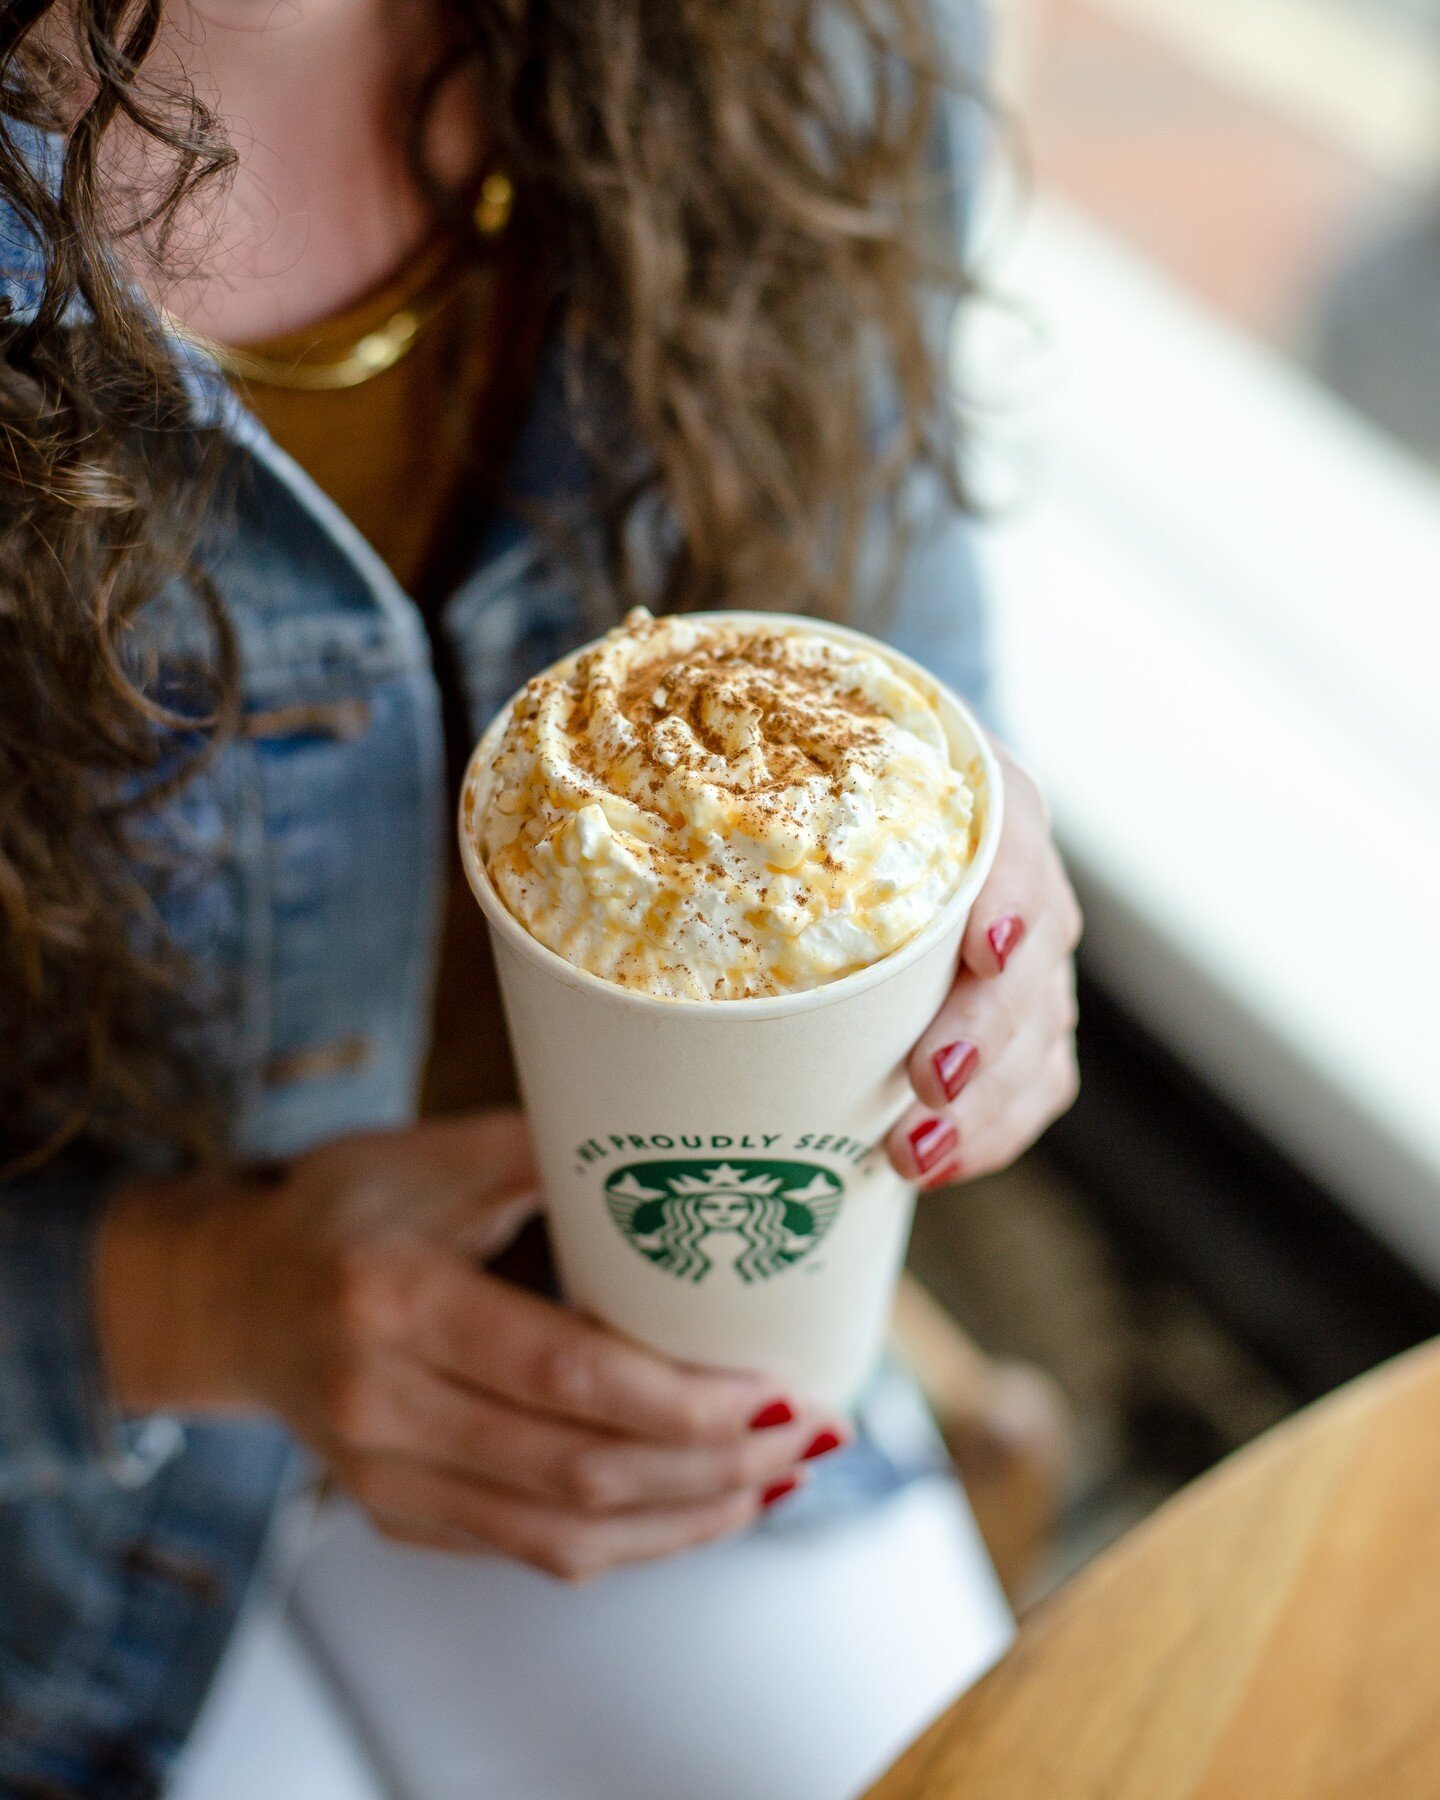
(483, 1182)
(492, 1223)
(484, 1155)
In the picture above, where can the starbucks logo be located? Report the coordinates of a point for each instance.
(685, 1216)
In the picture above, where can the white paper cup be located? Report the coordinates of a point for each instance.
(714, 1171)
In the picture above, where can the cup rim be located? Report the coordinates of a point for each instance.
(767, 1006)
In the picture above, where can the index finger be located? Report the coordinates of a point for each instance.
(1015, 891)
(543, 1357)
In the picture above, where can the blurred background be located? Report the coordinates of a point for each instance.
(1208, 383)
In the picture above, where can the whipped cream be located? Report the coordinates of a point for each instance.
(714, 809)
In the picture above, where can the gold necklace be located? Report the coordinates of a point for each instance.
(379, 349)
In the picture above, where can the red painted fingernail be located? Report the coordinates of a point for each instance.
(822, 1445)
(778, 1412)
(779, 1491)
(954, 1064)
(941, 1177)
(1004, 935)
(931, 1140)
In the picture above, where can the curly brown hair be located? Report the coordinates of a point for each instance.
(749, 246)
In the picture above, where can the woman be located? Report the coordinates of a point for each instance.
(558, 308)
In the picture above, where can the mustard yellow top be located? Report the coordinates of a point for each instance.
(414, 454)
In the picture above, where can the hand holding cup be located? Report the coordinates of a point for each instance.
(997, 1063)
(346, 1295)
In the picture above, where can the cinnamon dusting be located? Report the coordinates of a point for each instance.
(724, 810)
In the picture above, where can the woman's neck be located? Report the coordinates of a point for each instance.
(323, 204)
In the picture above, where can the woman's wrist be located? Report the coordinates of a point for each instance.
(163, 1275)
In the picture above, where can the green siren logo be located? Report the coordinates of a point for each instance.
(685, 1216)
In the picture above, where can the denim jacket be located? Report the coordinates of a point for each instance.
(316, 845)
